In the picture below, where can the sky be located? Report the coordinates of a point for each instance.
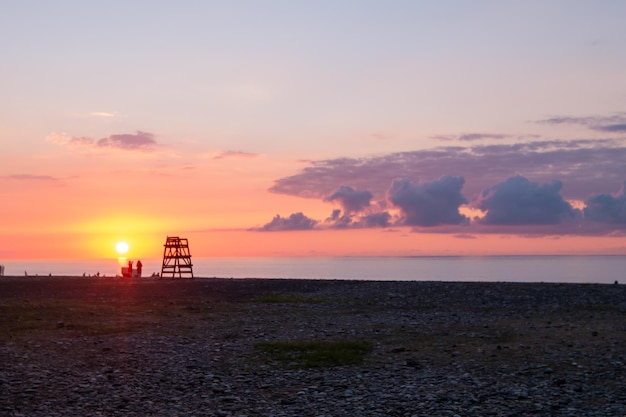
(312, 128)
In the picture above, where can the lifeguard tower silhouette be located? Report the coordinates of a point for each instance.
(176, 258)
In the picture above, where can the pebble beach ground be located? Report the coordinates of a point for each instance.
(256, 347)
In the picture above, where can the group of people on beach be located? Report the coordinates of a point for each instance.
(138, 268)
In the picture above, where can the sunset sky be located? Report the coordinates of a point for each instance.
(312, 128)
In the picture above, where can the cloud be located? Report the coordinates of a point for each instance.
(465, 236)
(607, 208)
(233, 155)
(353, 221)
(429, 203)
(139, 141)
(585, 167)
(143, 141)
(470, 137)
(102, 114)
(29, 177)
(612, 124)
(567, 120)
(523, 169)
(339, 221)
(518, 201)
(65, 139)
(296, 221)
(350, 199)
(381, 219)
(621, 127)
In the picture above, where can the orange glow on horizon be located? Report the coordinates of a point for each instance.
(243, 243)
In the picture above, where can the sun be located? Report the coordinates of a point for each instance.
(121, 247)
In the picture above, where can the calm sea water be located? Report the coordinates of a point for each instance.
(579, 269)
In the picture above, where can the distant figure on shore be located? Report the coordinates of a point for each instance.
(130, 269)
(139, 266)
(1, 270)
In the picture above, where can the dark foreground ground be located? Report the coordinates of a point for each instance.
(258, 347)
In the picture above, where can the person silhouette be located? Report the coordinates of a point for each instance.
(139, 266)
(130, 269)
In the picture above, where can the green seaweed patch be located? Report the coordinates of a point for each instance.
(26, 317)
(314, 354)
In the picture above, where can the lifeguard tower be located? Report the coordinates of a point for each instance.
(176, 258)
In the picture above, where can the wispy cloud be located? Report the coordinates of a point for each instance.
(470, 137)
(65, 139)
(615, 123)
(465, 236)
(138, 141)
(615, 128)
(233, 155)
(102, 114)
(30, 177)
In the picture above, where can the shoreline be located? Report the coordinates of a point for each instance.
(9, 278)
(606, 269)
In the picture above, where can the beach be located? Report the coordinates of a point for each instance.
(91, 346)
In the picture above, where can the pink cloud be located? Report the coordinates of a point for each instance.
(30, 177)
(470, 137)
(65, 139)
(139, 141)
(235, 155)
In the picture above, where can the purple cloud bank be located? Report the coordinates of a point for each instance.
(585, 167)
(520, 184)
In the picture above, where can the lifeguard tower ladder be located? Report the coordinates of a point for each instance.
(176, 258)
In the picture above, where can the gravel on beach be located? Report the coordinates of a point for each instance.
(74, 346)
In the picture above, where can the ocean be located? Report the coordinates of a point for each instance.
(566, 269)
